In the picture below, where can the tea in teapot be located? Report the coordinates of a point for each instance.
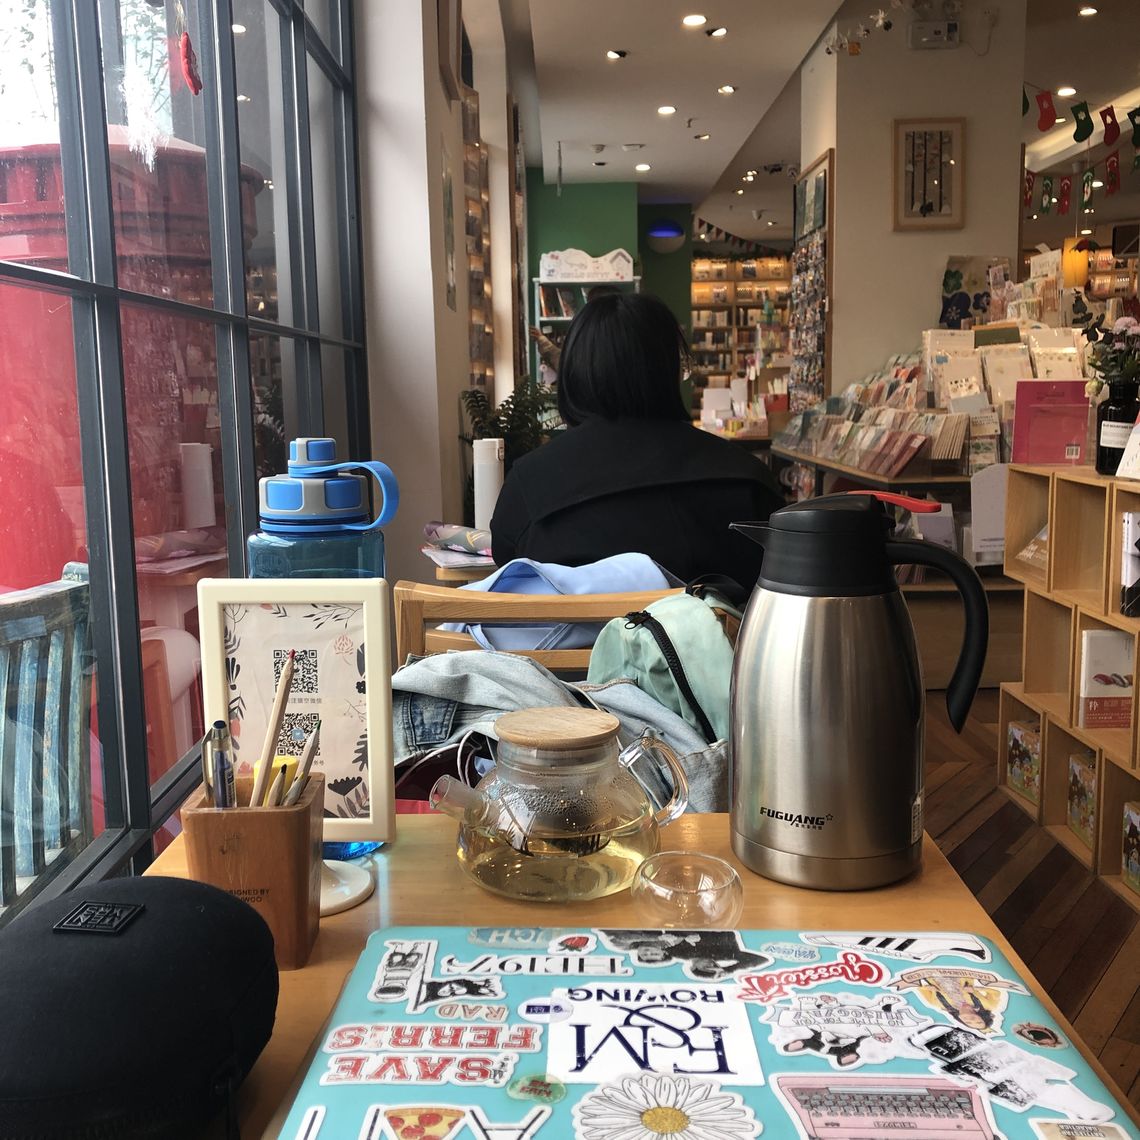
(562, 815)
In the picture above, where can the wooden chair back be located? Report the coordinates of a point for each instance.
(419, 607)
(45, 730)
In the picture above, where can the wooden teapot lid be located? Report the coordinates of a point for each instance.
(557, 729)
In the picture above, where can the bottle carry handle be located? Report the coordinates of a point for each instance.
(650, 746)
(381, 472)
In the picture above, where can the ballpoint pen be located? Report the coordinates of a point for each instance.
(224, 793)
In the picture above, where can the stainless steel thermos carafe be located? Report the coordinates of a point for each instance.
(828, 708)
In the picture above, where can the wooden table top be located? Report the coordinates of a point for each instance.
(419, 882)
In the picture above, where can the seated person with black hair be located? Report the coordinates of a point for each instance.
(631, 472)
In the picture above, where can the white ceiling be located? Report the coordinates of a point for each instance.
(586, 99)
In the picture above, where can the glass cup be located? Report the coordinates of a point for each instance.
(687, 890)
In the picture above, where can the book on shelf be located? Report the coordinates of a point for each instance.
(1105, 697)
(548, 303)
(1130, 564)
(1130, 847)
(1050, 421)
(1080, 812)
(567, 300)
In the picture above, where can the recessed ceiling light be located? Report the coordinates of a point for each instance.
(238, 29)
(693, 21)
(740, 191)
(704, 237)
(599, 164)
(1085, 233)
(771, 223)
(752, 172)
(702, 138)
(716, 33)
(727, 89)
(1086, 10)
(1066, 91)
(1059, 120)
(1053, 200)
(243, 98)
(269, 184)
(1034, 218)
(953, 163)
(748, 178)
(614, 53)
(643, 167)
(1097, 183)
(666, 110)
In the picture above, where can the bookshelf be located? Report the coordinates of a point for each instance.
(556, 303)
(1078, 589)
(477, 229)
(740, 308)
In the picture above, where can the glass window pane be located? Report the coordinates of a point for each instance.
(51, 797)
(32, 223)
(334, 398)
(261, 135)
(320, 13)
(273, 371)
(156, 135)
(326, 203)
(178, 507)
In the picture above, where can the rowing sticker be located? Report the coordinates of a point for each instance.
(911, 947)
(974, 999)
(1009, 1074)
(404, 974)
(626, 1028)
(848, 1030)
(703, 955)
(848, 967)
(655, 1104)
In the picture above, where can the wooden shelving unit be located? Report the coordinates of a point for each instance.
(1077, 590)
(740, 308)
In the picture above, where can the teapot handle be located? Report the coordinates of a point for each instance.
(651, 745)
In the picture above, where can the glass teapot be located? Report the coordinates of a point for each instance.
(563, 815)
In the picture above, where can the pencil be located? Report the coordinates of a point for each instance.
(273, 797)
(297, 787)
(273, 731)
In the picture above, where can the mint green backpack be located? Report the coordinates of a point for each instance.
(679, 651)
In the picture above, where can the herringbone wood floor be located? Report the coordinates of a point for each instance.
(1080, 939)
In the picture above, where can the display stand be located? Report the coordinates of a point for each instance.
(1078, 590)
(813, 235)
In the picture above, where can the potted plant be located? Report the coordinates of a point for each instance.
(1115, 359)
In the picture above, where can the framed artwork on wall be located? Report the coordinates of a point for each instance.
(449, 20)
(340, 631)
(929, 174)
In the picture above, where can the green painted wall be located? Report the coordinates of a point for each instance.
(668, 274)
(596, 218)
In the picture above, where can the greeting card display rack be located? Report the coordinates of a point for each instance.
(1077, 590)
(810, 379)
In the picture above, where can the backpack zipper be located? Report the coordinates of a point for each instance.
(672, 659)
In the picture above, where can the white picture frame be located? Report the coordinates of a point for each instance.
(341, 631)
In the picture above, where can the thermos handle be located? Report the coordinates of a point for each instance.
(651, 745)
(968, 672)
(382, 473)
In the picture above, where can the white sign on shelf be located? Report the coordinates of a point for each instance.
(576, 265)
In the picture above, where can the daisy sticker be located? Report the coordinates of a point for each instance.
(654, 1105)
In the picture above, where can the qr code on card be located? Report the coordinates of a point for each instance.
(304, 670)
(296, 728)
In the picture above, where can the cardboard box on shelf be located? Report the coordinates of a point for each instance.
(1023, 758)
(1106, 679)
(1081, 796)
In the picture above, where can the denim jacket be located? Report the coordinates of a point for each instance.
(436, 699)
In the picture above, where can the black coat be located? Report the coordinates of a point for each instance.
(661, 487)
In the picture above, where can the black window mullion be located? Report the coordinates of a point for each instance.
(106, 470)
(227, 252)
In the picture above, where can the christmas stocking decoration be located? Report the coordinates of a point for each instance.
(1086, 189)
(1027, 196)
(1083, 121)
(1025, 103)
(1112, 173)
(1048, 114)
(1111, 126)
(1134, 119)
(1047, 194)
(1064, 195)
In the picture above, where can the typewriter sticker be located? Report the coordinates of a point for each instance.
(848, 1030)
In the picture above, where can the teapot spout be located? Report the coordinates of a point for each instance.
(455, 798)
(755, 531)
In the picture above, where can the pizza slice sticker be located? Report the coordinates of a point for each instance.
(424, 1122)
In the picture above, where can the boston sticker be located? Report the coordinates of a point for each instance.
(849, 1030)
(974, 999)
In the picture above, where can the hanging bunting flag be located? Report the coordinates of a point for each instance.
(1111, 126)
(1086, 189)
(1083, 120)
(1064, 194)
(1134, 119)
(1024, 103)
(1112, 173)
(1047, 194)
(1048, 116)
(1030, 180)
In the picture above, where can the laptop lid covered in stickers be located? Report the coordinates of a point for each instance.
(489, 1033)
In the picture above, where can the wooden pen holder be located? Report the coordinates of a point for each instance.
(267, 857)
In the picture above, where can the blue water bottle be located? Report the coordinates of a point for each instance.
(315, 524)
